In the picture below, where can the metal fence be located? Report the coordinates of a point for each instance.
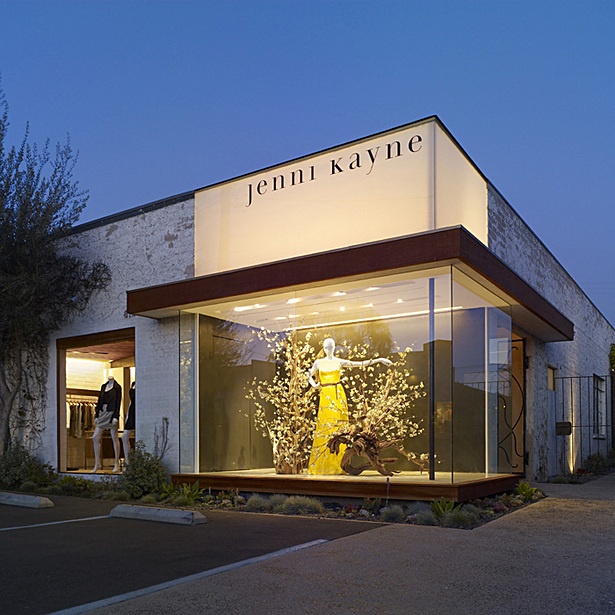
(583, 420)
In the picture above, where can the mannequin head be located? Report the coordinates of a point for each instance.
(328, 346)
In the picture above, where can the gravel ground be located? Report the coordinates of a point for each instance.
(556, 556)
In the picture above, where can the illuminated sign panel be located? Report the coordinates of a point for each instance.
(397, 183)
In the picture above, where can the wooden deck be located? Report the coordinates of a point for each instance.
(407, 486)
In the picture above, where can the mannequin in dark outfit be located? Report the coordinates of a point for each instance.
(107, 416)
(129, 423)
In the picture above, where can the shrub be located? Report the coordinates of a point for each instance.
(302, 505)
(76, 485)
(18, 465)
(258, 503)
(188, 494)
(472, 509)
(560, 480)
(442, 506)
(28, 486)
(277, 501)
(144, 474)
(526, 492)
(150, 498)
(596, 464)
(372, 505)
(392, 514)
(424, 517)
(459, 518)
(417, 507)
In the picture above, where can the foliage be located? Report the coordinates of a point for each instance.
(301, 505)
(258, 503)
(442, 506)
(43, 286)
(18, 465)
(460, 518)
(612, 357)
(526, 492)
(596, 464)
(380, 413)
(416, 507)
(424, 517)
(372, 505)
(145, 473)
(284, 405)
(392, 514)
(187, 494)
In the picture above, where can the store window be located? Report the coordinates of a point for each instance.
(96, 401)
(403, 373)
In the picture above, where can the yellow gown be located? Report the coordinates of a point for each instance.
(332, 414)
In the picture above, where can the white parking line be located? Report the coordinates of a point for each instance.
(27, 527)
(99, 604)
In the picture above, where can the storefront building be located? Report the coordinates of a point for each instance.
(449, 326)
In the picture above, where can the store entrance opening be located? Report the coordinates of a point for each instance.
(96, 401)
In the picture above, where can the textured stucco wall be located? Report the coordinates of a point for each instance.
(143, 249)
(513, 241)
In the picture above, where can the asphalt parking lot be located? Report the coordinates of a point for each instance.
(74, 554)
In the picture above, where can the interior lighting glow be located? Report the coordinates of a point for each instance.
(245, 308)
(339, 293)
(292, 301)
(372, 288)
(373, 318)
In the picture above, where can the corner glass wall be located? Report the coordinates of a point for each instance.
(396, 375)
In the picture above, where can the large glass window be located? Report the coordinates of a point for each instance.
(399, 373)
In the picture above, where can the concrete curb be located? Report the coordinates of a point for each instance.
(162, 515)
(26, 501)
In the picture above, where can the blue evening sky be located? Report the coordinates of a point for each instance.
(161, 97)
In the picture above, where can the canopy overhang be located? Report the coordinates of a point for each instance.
(451, 246)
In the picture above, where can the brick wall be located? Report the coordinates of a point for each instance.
(513, 241)
(141, 249)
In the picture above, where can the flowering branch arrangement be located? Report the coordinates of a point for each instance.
(285, 411)
(380, 411)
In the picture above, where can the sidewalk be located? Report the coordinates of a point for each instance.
(554, 557)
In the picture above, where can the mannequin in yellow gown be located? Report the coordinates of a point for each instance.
(332, 407)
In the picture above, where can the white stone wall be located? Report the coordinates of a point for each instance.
(154, 246)
(512, 240)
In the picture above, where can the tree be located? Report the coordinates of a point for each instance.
(41, 284)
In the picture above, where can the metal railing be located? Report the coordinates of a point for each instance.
(583, 420)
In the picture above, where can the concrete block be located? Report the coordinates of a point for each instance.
(26, 501)
(162, 515)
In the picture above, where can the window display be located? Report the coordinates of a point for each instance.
(404, 374)
(94, 435)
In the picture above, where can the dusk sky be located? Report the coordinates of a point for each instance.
(162, 97)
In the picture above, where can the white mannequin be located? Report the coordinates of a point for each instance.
(329, 347)
(97, 437)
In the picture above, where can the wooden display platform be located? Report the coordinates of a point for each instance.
(405, 486)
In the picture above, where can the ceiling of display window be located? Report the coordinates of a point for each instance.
(112, 351)
(345, 302)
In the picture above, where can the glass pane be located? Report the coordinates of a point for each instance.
(188, 424)
(482, 380)
(404, 318)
